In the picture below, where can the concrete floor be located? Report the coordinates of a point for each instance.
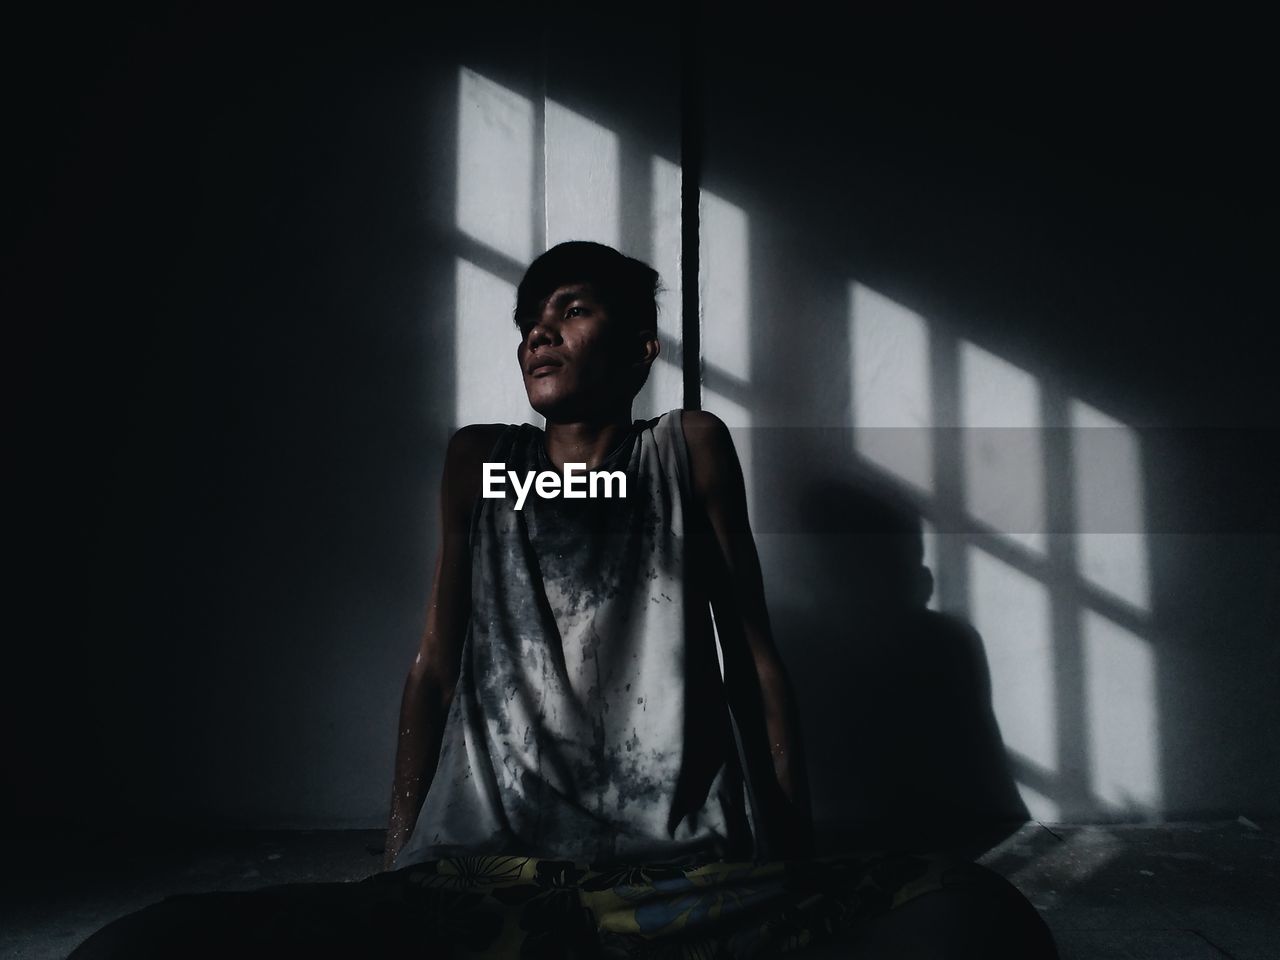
(1190, 891)
(1170, 892)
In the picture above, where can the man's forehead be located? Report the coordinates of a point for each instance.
(569, 291)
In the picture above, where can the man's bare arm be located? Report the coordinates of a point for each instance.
(758, 686)
(428, 690)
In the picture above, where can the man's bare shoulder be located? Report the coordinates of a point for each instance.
(712, 458)
(699, 425)
(472, 443)
(464, 459)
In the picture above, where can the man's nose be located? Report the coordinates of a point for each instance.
(542, 332)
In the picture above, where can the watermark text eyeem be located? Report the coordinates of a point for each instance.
(576, 483)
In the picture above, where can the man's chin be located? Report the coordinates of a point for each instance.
(553, 407)
(563, 409)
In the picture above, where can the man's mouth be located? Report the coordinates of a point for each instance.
(543, 366)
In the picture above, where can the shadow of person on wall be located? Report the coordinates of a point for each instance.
(904, 749)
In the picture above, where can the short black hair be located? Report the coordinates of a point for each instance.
(627, 286)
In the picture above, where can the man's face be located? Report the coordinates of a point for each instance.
(571, 354)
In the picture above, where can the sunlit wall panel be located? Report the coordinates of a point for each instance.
(1011, 611)
(892, 399)
(1111, 549)
(489, 388)
(723, 287)
(725, 326)
(1120, 698)
(665, 389)
(495, 166)
(1003, 447)
(581, 178)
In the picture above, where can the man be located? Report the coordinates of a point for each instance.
(596, 728)
(565, 718)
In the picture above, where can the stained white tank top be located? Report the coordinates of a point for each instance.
(589, 721)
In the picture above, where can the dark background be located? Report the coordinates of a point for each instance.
(229, 366)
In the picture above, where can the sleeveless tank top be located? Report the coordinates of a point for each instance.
(589, 721)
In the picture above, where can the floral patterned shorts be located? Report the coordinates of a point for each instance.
(510, 906)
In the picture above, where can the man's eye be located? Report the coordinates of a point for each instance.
(575, 311)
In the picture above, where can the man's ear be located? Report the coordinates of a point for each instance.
(649, 348)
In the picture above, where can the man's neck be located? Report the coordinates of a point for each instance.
(586, 441)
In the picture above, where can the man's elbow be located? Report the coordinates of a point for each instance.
(775, 683)
(765, 673)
